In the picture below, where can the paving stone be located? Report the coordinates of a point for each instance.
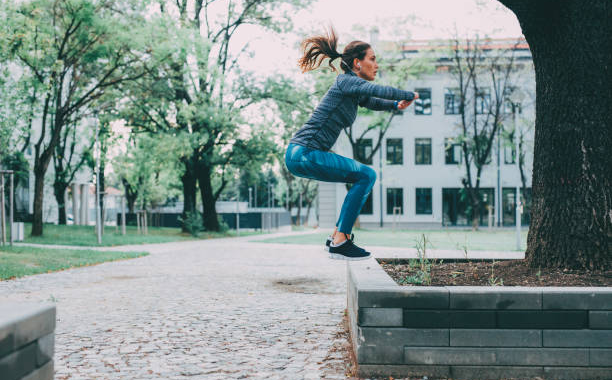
(577, 338)
(400, 371)
(500, 298)
(495, 338)
(386, 345)
(527, 319)
(600, 319)
(426, 318)
(404, 297)
(449, 318)
(18, 364)
(481, 319)
(495, 372)
(496, 356)
(582, 373)
(372, 316)
(45, 348)
(567, 298)
(600, 357)
(23, 322)
(43, 373)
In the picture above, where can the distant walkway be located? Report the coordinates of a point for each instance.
(209, 309)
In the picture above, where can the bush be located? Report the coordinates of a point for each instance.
(192, 223)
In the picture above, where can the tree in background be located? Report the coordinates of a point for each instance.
(149, 179)
(203, 96)
(571, 225)
(68, 159)
(484, 79)
(75, 50)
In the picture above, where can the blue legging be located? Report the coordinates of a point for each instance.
(330, 167)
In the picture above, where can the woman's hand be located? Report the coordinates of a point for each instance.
(405, 103)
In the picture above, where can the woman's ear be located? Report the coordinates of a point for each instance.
(356, 63)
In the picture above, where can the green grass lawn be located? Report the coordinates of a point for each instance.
(23, 261)
(481, 240)
(86, 235)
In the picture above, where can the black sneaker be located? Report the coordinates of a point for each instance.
(348, 251)
(330, 239)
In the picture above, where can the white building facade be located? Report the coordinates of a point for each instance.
(419, 171)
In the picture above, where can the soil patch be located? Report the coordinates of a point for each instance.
(489, 273)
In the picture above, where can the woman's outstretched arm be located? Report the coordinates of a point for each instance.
(353, 85)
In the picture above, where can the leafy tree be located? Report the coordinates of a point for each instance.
(571, 224)
(149, 179)
(201, 96)
(68, 159)
(75, 50)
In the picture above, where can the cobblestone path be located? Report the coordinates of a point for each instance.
(214, 309)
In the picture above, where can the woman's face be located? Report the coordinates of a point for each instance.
(367, 67)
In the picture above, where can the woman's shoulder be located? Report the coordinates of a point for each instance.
(345, 81)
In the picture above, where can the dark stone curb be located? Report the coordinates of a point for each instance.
(477, 332)
(27, 341)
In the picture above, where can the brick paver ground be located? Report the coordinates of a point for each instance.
(215, 309)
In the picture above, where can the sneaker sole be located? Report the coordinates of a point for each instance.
(337, 256)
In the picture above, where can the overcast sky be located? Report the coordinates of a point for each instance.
(430, 19)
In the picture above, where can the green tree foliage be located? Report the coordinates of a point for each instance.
(149, 169)
(196, 94)
(75, 50)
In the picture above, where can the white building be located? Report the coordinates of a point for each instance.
(418, 176)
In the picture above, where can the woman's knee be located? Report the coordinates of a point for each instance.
(369, 175)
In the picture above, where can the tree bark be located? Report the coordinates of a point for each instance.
(130, 195)
(211, 223)
(189, 190)
(39, 186)
(59, 190)
(570, 42)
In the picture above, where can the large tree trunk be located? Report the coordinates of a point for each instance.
(189, 190)
(211, 223)
(39, 187)
(131, 195)
(475, 212)
(102, 190)
(570, 42)
(59, 190)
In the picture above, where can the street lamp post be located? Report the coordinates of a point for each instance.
(97, 154)
(516, 98)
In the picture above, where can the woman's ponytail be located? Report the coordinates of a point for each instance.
(317, 48)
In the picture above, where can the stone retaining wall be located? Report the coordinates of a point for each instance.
(477, 332)
(26, 341)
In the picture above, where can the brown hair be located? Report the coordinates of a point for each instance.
(317, 48)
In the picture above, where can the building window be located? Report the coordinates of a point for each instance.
(508, 103)
(364, 151)
(423, 201)
(422, 151)
(509, 154)
(452, 101)
(395, 201)
(452, 151)
(483, 100)
(395, 152)
(422, 106)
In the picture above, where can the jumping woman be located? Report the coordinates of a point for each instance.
(308, 153)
